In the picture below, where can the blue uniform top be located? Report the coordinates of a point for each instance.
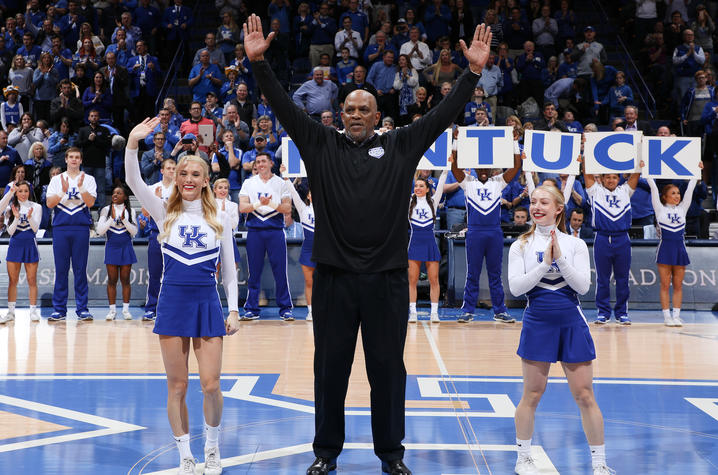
(265, 217)
(549, 285)
(611, 209)
(71, 211)
(483, 201)
(119, 228)
(421, 216)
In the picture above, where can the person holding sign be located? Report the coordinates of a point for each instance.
(552, 269)
(671, 256)
(484, 237)
(611, 215)
(422, 243)
(361, 277)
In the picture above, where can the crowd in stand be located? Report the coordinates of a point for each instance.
(80, 73)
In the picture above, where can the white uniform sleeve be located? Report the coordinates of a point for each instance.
(592, 190)
(296, 199)
(13, 226)
(55, 187)
(154, 205)
(568, 189)
(440, 189)
(285, 190)
(89, 184)
(229, 273)
(5, 201)
(130, 227)
(36, 217)
(688, 195)
(521, 281)
(530, 185)
(577, 274)
(104, 221)
(655, 195)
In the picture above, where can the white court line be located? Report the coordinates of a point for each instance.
(435, 350)
(542, 461)
(479, 379)
(707, 405)
(111, 426)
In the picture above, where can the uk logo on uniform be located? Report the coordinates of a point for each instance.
(613, 201)
(674, 218)
(376, 152)
(73, 194)
(194, 238)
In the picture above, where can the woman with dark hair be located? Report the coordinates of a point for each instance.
(23, 221)
(99, 97)
(422, 243)
(17, 175)
(24, 135)
(37, 168)
(59, 142)
(116, 221)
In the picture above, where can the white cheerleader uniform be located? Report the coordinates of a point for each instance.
(422, 242)
(23, 246)
(119, 231)
(672, 224)
(554, 327)
(306, 217)
(188, 304)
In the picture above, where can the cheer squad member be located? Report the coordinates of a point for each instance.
(189, 311)
(552, 269)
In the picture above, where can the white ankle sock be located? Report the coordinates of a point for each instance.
(33, 307)
(598, 454)
(412, 307)
(183, 447)
(212, 436)
(676, 312)
(125, 306)
(666, 314)
(434, 307)
(11, 306)
(523, 447)
(309, 309)
(113, 307)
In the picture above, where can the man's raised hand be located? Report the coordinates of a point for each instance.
(255, 44)
(478, 54)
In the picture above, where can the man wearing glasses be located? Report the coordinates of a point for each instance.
(151, 161)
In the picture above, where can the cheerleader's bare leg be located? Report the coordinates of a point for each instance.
(535, 376)
(580, 381)
(208, 351)
(31, 274)
(175, 355)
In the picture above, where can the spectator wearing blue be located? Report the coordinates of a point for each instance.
(59, 142)
(176, 20)
(212, 110)
(549, 74)
(248, 157)
(411, 19)
(381, 76)
(401, 34)
(9, 159)
(228, 35)
(506, 65)
(437, 19)
(621, 95)
(566, 22)
(70, 24)
(568, 68)
(264, 109)
(642, 213)
(43, 35)
(375, 52)
(29, 50)
(316, 95)
(244, 69)
(570, 120)
(688, 58)
(345, 67)
(34, 14)
(170, 131)
(693, 104)
(602, 79)
(228, 91)
(529, 65)
(148, 20)
(360, 21)
(231, 157)
(145, 80)
(455, 201)
(492, 81)
(98, 97)
(216, 55)
(176, 118)
(134, 34)
(121, 48)
(280, 9)
(516, 31)
(151, 161)
(477, 101)
(11, 110)
(45, 80)
(561, 89)
(264, 129)
(322, 31)
(302, 30)
(204, 77)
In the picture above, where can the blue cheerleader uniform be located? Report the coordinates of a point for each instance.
(554, 327)
(188, 304)
(23, 246)
(672, 225)
(119, 231)
(306, 217)
(422, 242)
(71, 223)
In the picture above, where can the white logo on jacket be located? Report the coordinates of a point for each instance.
(376, 152)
